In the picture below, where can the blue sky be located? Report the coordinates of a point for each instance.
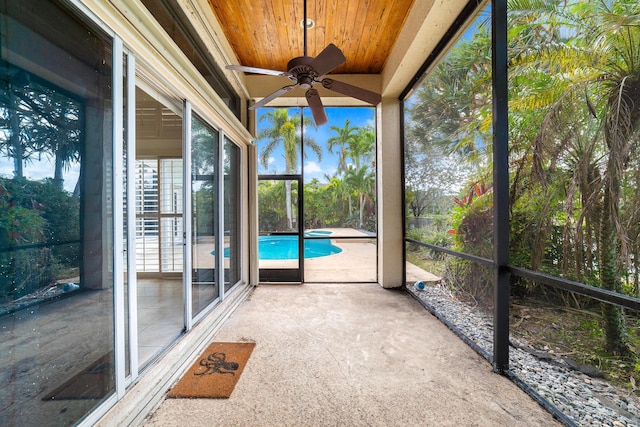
(40, 168)
(313, 168)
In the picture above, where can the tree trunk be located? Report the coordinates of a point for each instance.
(362, 204)
(615, 328)
(288, 201)
(16, 145)
(58, 180)
(636, 277)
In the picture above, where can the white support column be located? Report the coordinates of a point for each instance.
(252, 208)
(252, 205)
(389, 197)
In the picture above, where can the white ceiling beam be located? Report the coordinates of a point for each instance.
(425, 26)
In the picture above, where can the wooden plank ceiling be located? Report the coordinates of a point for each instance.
(268, 33)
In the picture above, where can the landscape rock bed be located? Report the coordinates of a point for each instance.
(583, 399)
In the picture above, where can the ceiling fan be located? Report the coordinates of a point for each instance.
(306, 71)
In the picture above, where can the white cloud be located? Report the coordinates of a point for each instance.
(330, 172)
(312, 167)
(6, 168)
(271, 160)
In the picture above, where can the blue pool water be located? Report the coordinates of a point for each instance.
(316, 233)
(286, 247)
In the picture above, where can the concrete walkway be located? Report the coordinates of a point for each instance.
(353, 355)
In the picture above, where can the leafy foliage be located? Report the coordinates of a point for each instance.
(347, 199)
(39, 235)
(574, 129)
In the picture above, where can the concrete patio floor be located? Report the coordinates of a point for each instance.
(352, 355)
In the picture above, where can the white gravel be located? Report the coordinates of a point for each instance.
(585, 401)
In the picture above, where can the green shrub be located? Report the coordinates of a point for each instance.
(472, 232)
(37, 222)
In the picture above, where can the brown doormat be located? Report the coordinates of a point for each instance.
(216, 372)
(93, 382)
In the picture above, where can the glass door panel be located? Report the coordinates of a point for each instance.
(159, 189)
(232, 214)
(56, 216)
(279, 244)
(204, 196)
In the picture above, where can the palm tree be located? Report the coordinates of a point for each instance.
(64, 124)
(573, 127)
(362, 145)
(11, 122)
(339, 191)
(285, 130)
(595, 72)
(619, 81)
(40, 119)
(358, 144)
(343, 140)
(363, 183)
(453, 106)
(362, 149)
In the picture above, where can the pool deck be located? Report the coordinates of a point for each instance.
(355, 264)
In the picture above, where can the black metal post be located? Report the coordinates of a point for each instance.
(301, 193)
(500, 185)
(304, 25)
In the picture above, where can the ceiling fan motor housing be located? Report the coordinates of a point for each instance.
(301, 71)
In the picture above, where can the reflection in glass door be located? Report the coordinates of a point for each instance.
(57, 284)
(279, 245)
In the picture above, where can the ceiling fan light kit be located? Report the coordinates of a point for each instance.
(304, 71)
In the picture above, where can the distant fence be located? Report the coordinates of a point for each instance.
(26, 269)
(414, 222)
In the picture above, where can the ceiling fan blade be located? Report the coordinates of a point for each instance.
(257, 70)
(271, 97)
(327, 60)
(317, 109)
(352, 91)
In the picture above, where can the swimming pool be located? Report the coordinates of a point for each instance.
(286, 247)
(316, 233)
